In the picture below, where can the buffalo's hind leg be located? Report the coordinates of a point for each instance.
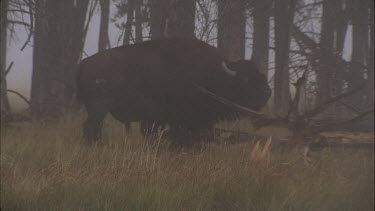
(93, 124)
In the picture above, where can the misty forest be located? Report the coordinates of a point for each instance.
(187, 105)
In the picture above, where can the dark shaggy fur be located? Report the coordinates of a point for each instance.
(154, 81)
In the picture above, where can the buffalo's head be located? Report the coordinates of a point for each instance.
(250, 87)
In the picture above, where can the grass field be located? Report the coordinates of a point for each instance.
(44, 167)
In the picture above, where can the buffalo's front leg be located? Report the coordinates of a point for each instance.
(93, 124)
(149, 127)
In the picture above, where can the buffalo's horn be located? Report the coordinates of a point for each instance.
(227, 70)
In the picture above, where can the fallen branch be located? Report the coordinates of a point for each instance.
(349, 107)
(359, 117)
(301, 126)
(233, 137)
(239, 108)
(318, 109)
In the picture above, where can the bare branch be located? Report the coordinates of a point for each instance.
(8, 69)
(19, 95)
(18, 22)
(31, 28)
(352, 108)
(19, 10)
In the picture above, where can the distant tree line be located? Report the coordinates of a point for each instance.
(286, 39)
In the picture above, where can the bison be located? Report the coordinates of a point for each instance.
(156, 81)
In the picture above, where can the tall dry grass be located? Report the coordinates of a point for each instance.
(45, 167)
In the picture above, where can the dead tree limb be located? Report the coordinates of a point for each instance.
(334, 125)
(8, 69)
(20, 96)
(302, 126)
(225, 101)
(318, 109)
(31, 27)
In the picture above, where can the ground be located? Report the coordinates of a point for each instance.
(45, 167)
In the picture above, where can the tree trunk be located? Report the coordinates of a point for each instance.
(231, 28)
(342, 19)
(185, 19)
(104, 21)
(325, 68)
(370, 59)
(73, 35)
(157, 19)
(172, 18)
(58, 44)
(138, 21)
(5, 106)
(341, 16)
(180, 18)
(284, 14)
(129, 22)
(261, 17)
(39, 67)
(359, 50)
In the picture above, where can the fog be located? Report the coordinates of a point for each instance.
(19, 78)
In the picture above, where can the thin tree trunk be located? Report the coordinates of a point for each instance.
(5, 106)
(53, 89)
(342, 11)
(104, 22)
(157, 19)
(38, 57)
(370, 59)
(129, 22)
(70, 36)
(342, 20)
(325, 68)
(359, 50)
(185, 18)
(284, 13)
(172, 18)
(261, 16)
(231, 28)
(138, 21)
(179, 18)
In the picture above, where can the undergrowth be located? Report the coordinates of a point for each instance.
(46, 167)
